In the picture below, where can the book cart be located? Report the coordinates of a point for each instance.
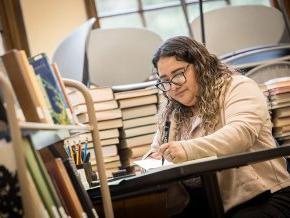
(44, 135)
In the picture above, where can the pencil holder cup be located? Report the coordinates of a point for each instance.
(85, 171)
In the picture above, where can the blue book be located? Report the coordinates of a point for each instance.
(52, 87)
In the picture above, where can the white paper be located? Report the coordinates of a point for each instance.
(150, 163)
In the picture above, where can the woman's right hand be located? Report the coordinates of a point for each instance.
(155, 155)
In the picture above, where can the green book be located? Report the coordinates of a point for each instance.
(39, 180)
(50, 185)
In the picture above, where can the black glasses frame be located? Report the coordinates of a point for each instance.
(159, 84)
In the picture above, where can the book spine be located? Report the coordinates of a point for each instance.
(82, 194)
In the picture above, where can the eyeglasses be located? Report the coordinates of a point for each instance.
(178, 79)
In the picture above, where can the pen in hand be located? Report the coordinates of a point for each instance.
(165, 136)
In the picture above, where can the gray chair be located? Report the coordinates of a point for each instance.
(121, 56)
(234, 28)
(70, 54)
(269, 71)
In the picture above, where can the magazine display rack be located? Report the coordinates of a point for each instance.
(17, 129)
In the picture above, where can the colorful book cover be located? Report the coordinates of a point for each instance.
(42, 68)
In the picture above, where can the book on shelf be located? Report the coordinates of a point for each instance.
(277, 131)
(109, 133)
(101, 115)
(141, 111)
(99, 94)
(280, 90)
(139, 130)
(77, 184)
(139, 121)
(280, 105)
(105, 142)
(61, 178)
(281, 112)
(108, 165)
(98, 106)
(137, 101)
(60, 202)
(104, 134)
(279, 122)
(110, 124)
(19, 112)
(40, 181)
(278, 83)
(111, 159)
(87, 137)
(56, 97)
(25, 87)
(108, 150)
(280, 96)
(279, 101)
(136, 141)
(135, 93)
(63, 89)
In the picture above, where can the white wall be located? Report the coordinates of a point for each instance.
(48, 22)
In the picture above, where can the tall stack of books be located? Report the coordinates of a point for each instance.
(109, 120)
(265, 91)
(139, 108)
(279, 97)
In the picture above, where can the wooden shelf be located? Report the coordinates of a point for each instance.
(43, 135)
(43, 126)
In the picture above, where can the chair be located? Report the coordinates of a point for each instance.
(234, 28)
(248, 59)
(70, 54)
(121, 56)
(269, 71)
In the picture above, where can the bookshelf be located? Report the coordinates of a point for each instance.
(50, 134)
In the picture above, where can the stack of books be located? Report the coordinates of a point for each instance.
(264, 89)
(109, 120)
(279, 97)
(139, 108)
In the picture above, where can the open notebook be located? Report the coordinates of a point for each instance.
(150, 163)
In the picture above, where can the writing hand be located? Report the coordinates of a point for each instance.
(173, 152)
(156, 155)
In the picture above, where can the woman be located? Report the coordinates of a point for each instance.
(216, 111)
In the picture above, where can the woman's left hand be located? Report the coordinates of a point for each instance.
(173, 151)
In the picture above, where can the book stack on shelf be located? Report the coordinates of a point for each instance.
(265, 91)
(49, 185)
(279, 97)
(109, 120)
(139, 108)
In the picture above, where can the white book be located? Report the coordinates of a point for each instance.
(137, 101)
(139, 121)
(141, 111)
(140, 130)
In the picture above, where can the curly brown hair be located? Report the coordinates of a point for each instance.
(211, 76)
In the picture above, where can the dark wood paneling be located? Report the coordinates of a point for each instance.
(92, 12)
(14, 33)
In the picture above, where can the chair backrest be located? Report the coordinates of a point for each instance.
(70, 54)
(121, 56)
(269, 71)
(233, 28)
